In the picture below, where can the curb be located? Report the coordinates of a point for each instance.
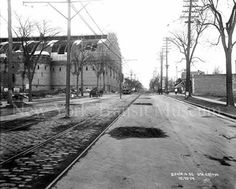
(206, 108)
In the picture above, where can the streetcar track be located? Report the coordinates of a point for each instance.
(38, 145)
(28, 157)
(89, 146)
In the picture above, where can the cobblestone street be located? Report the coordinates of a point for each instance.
(31, 170)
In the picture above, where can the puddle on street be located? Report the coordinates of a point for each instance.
(139, 103)
(137, 132)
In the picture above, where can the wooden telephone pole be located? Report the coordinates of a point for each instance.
(161, 79)
(166, 50)
(188, 70)
(190, 6)
(68, 18)
(9, 56)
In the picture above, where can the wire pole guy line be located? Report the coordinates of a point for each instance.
(68, 18)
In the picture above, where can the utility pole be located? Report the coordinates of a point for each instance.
(68, 60)
(161, 58)
(9, 57)
(166, 47)
(188, 70)
(166, 85)
(68, 18)
(190, 11)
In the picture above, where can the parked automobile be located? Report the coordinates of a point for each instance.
(19, 96)
(95, 92)
(126, 91)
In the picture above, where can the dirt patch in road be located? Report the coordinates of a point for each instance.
(233, 126)
(137, 132)
(139, 103)
(222, 161)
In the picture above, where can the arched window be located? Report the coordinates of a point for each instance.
(62, 49)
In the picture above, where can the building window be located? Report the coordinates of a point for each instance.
(60, 69)
(41, 74)
(13, 78)
(86, 68)
(38, 67)
(62, 49)
(45, 67)
(93, 68)
(52, 69)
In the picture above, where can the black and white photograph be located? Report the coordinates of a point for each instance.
(117, 94)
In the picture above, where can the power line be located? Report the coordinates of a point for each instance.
(68, 18)
(90, 16)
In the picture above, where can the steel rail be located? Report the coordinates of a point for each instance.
(89, 146)
(24, 152)
(38, 145)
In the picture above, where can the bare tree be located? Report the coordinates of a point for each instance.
(226, 31)
(80, 54)
(154, 83)
(99, 63)
(32, 49)
(180, 39)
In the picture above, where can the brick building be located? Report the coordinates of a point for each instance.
(50, 72)
(211, 84)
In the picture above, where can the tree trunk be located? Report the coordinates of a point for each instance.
(77, 84)
(30, 91)
(82, 81)
(23, 84)
(104, 87)
(188, 78)
(97, 80)
(229, 82)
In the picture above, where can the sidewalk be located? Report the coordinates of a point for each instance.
(212, 104)
(34, 109)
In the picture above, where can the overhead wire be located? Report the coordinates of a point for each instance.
(86, 23)
(90, 16)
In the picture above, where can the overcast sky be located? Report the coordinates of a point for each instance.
(139, 25)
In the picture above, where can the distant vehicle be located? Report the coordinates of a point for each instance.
(95, 92)
(126, 91)
(19, 96)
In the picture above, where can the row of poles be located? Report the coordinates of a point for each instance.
(165, 52)
(68, 18)
(188, 63)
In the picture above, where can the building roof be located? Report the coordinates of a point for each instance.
(73, 38)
